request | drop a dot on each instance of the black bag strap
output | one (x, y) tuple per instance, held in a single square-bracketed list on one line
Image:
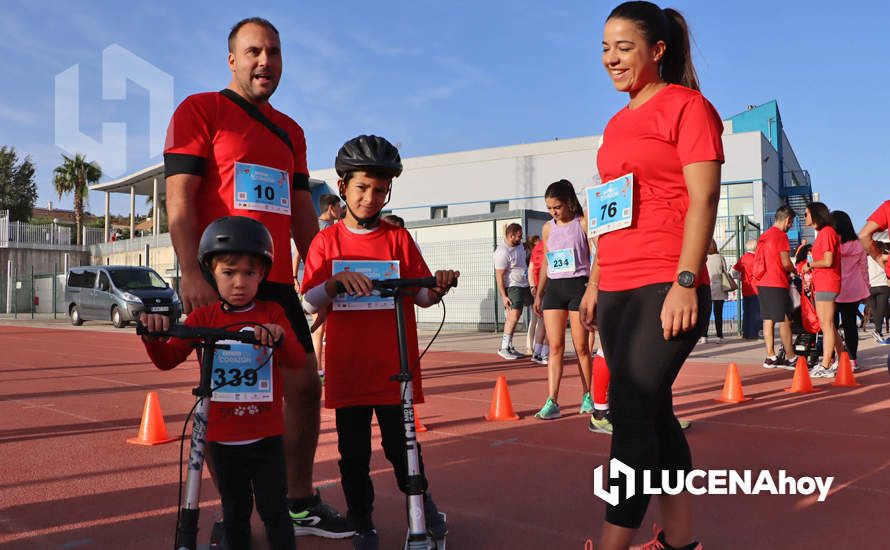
[(257, 115)]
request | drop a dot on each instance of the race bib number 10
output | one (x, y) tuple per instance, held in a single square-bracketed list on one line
[(261, 188), (610, 205)]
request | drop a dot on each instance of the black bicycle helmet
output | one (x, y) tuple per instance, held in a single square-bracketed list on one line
[(368, 152), (235, 234)]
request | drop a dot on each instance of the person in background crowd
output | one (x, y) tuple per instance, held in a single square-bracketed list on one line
[(771, 267), (716, 268), (511, 275), (826, 268), (537, 333), (751, 321), (879, 290), (394, 220), (854, 282)]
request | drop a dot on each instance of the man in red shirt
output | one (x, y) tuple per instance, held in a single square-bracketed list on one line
[(772, 264), (878, 221), (751, 321), (232, 153)]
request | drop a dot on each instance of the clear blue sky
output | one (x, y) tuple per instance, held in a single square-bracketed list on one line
[(449, 76)]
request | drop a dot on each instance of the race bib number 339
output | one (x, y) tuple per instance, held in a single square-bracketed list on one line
[(610, 205), (241, 373), (261, 188)]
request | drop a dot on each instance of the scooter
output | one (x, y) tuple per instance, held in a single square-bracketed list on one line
[(187, 520), (417, 537)]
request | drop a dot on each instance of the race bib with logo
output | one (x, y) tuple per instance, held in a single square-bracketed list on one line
[(561, 261), (241, 373), (375, 270), (261, 188), (610, 205)]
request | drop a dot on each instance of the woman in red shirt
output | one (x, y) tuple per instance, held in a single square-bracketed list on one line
[(826, 267), (651, 314)]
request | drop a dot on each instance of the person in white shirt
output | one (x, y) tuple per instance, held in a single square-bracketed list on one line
[(512, 281)]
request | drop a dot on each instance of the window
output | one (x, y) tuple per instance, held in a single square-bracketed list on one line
[(498, 206), (438, 212), (104, 283), (82, 279)]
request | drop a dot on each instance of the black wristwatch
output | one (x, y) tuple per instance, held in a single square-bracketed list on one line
[(686, 279)]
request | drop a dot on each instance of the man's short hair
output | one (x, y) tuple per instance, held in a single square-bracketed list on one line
[(394, 220), (326, 201), (783, 213), (512, 228), (256, 21)]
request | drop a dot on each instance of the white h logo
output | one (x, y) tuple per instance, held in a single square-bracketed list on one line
[(616, 469)]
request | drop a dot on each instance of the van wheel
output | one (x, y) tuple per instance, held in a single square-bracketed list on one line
[(117, 319), (75, 316)]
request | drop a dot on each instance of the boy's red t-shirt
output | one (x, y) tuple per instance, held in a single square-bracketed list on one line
[(774, 241), (881, 216), (361, 349), (673, 129), (827, 279), (238, 421), (212, 128)]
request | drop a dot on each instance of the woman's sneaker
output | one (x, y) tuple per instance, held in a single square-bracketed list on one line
[(658, 543), (600, 425), (539, 359), (549, 411), (586, 404), (773, 362)]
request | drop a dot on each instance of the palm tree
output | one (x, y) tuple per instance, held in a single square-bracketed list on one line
[(75, 175)]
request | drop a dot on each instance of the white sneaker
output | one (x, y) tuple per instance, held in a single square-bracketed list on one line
[(539, 359), (507, 354), (818, 372), (703, 340), (515, 352)]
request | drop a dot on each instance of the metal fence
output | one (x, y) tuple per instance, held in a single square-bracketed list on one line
[(46, 236), (29, 293)]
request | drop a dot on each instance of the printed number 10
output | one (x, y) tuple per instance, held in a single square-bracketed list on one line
[(267, 191), (611, 209)]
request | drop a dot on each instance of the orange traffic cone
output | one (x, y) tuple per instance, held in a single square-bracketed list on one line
[(418, 425), (845, 378), (152, 431), (801, 382), (501, 406), (732, 387)]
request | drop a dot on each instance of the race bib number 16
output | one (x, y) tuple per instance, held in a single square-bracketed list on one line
[(261, 188), (610, 205)]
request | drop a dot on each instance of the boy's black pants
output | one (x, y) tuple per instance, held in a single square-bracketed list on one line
[(354, 444), (247, 471)]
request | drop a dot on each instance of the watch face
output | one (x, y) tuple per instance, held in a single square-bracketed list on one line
[(686, 278)]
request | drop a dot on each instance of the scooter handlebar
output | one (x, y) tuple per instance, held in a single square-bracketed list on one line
[(201, 333), (396, 284)]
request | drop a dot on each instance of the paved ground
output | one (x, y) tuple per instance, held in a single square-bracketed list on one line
[(70, 396)]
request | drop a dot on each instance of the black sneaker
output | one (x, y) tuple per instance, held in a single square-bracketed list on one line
[(773, 362), (435, 520), (320, 520), (217, 536), (366, 540)]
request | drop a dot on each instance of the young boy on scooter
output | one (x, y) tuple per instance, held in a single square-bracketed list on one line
[(246, 422), (361, 353)]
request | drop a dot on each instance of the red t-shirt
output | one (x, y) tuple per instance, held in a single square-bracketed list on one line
[(773, 241), (361, 348), (881, 216), (745, 266), (676, 127), (208, 134), (537, 259), (827, 279), (231, 421)]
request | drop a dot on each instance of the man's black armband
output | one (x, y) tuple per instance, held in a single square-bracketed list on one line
[(178, 163), (301, 182)]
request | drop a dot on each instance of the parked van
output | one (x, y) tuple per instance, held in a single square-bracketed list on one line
[(118, 293)]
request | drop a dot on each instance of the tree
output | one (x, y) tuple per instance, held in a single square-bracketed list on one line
[(18, 189), (75, 175)]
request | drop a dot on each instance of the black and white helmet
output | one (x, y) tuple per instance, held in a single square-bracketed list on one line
[(368, 153), (235, 234)]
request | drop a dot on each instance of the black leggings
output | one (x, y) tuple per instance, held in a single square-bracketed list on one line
[(879, 307), (646, 434), (354, 444), (247, 471), (718, 317), (847, 313)]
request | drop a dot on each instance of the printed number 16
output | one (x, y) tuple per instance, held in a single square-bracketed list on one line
[(611, 209)]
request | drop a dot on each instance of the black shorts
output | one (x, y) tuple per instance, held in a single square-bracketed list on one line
[(564, 294), (775, 303), (520, 296), (286, 296)]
